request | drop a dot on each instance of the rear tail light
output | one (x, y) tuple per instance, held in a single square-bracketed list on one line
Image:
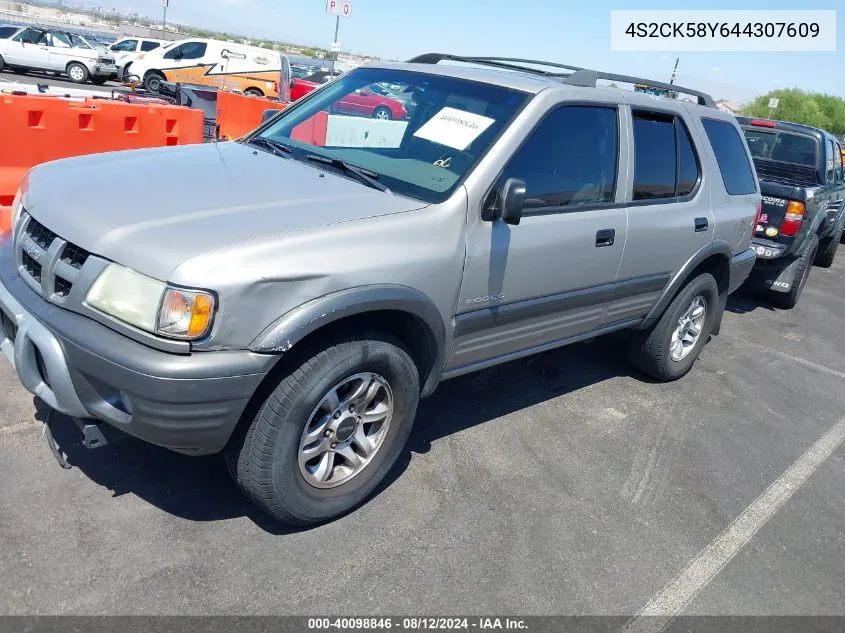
[(763, 123), (757, 219), (792, 220), (276, 86)]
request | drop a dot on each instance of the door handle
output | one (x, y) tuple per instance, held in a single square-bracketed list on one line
[(605, 237), (700, 224)]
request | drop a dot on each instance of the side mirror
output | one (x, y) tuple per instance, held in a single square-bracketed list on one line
[(268, 114), (512, 201)]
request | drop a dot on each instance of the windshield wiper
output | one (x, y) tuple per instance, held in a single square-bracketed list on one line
[(364, 176), (275, 147)]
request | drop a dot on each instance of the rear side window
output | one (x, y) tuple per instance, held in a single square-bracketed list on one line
[(569, 159), (665, 162), (837, 161), (830, 163), (149, 46), (731, 157), (7, 31), (126, 46)]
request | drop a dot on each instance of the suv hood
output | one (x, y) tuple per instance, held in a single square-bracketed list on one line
[(172, 204)]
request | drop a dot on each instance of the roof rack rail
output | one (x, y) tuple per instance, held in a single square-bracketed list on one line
[(577, 77)]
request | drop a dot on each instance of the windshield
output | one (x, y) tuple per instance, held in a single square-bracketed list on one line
[(424, 153), (785, 147)]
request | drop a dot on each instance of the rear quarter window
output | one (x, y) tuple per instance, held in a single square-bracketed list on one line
[(7, 31), (146, 47), (731, 157)]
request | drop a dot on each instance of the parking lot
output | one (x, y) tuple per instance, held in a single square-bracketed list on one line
[(560, 484)]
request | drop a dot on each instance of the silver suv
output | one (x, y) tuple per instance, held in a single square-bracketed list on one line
[(289, 297)]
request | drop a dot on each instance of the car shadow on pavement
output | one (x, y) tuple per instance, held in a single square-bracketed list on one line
[(200, 489), (744, 301)]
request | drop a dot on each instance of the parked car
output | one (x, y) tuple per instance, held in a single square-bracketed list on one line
[(7, 31), (128, 49), (301, 87), (293, 309), (803, 186), (371, 102), (81, 59), (248, 69)]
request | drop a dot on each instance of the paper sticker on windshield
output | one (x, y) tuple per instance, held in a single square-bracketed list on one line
[(454, 128)]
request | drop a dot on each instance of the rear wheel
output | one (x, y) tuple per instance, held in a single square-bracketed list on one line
[(77, 73), (253, 92), (789, 299), (828, 248), (667, 350), (330, 431)]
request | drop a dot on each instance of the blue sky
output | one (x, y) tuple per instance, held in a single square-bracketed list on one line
[(554, 30)]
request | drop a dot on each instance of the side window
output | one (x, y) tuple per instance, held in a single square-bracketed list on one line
[(569, 159), (28, 35), (188, 50), (61, 40), (126, 46), (830, 161), (655, 156), (837, 161), (736, 171), (688, 165), (146, 47)]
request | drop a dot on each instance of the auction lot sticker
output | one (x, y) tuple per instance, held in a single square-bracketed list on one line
[(454, 128), (722, 30)]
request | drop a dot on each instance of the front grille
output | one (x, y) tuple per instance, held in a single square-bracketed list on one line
[(56, 282), (63, 286), (32, 267), (39, 233), (75, 256)]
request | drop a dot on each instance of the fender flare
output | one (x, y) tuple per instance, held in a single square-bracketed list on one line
[(293, 326), (714, 247)]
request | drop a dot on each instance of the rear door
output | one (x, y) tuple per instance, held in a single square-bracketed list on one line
[(24, 49), (669, 216)]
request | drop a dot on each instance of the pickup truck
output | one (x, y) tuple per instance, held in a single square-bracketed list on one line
[(803, 188)]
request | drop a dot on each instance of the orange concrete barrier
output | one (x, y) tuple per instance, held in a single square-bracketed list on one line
[(35, 129), (238, 115), (313, 130)]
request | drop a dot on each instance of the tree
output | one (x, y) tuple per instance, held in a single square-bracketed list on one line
[(811, 108)]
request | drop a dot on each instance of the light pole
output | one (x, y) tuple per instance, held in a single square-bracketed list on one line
[(164, 18), (336, 29)]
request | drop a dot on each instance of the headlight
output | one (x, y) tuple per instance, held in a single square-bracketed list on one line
[(151, 305)]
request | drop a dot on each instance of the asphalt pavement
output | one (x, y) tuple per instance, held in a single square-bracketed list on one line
[(561, 484)]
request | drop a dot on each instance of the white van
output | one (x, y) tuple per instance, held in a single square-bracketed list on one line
[(248, 69)]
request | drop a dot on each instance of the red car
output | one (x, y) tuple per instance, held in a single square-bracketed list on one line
[(364, 101)]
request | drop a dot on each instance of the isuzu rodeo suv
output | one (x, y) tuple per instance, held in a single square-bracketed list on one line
[(289, 297)]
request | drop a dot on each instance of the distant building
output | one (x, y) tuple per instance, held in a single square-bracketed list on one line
[(728, 106)]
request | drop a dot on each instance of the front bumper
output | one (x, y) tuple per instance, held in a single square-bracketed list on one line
[(104, 70), (188, 403)]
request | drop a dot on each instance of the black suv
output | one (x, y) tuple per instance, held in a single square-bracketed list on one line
[(803, 187)]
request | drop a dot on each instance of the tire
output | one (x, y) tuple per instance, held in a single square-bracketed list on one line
[(2, 63), (152, 82), (651, 351), (828, 248), (382, 113), (99, 81), (789, 300), (253, 92), (264, 457), (77, 72)]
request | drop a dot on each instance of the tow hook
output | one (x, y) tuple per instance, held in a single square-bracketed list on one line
[(92, 437)]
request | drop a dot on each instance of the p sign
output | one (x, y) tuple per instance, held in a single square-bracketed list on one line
[(340, 8)]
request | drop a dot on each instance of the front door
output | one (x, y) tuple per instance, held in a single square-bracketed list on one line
[(547, 278)]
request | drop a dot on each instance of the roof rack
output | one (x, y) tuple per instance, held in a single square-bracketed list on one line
[(577, 77)]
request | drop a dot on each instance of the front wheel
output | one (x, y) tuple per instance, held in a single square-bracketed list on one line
[(77, 73), (152, 82), (667, 350), (382, 114), (99, 81), (330, 431)]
